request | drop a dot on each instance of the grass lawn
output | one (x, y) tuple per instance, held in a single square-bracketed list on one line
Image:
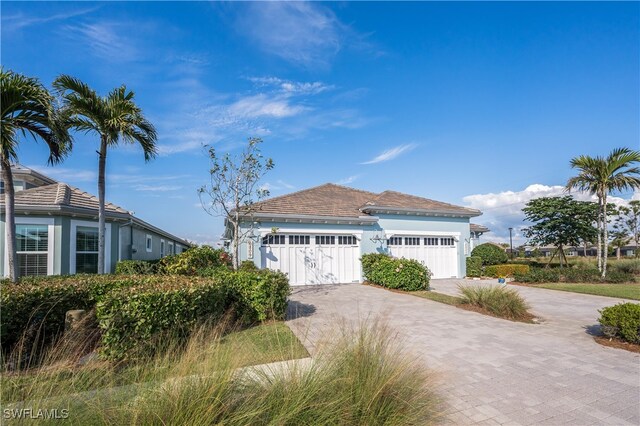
[(438, 297), (624, 291), (262, 344)]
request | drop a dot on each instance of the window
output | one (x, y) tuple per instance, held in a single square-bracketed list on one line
[(86, 250), (161, 248), (430, 241), (299, 239), (347, 240), (149, 244), (325, 239), (394, 241), (448, 241), (273, 239), (32, 245), (171, 249), (411, 241)]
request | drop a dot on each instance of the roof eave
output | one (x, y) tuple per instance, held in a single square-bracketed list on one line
[(424, 212)]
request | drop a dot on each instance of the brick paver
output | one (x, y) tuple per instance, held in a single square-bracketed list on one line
[(493, 371)]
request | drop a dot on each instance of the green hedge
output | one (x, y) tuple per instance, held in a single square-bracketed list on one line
[(36, 307), (490, 253), (572, 275), (506, 270), (136, 267), (390, 272), (189, 262), (622, 321), (474, 266)]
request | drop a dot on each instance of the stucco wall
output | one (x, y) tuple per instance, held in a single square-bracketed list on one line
[(140, 241)]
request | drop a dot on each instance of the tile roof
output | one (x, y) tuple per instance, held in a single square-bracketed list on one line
[(336, 200), (478, 228), (61, 195)]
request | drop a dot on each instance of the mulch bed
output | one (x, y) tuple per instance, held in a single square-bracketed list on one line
[(617, 343)]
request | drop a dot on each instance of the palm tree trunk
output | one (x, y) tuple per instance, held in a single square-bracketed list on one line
[(599, 226), (101, 199), (605, 236), (10, 219)]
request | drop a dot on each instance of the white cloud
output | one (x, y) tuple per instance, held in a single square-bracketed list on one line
[(390, 154), (66, 174), (289, 87), (348, 180), (302, 33), (503, 210), (261, 105), (104, 39), (157, 188)]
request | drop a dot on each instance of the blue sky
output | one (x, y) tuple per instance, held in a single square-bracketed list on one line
[(478, 104)]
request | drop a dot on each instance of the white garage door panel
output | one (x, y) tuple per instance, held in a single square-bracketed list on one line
[(442, 260), (313, 263)]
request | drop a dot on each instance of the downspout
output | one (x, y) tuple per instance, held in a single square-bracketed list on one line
[(130, 224)]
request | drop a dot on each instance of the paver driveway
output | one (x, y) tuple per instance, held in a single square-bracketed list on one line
[(494, 371)]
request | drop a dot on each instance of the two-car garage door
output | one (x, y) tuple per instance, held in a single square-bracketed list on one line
[(439, 254), (313, 259)]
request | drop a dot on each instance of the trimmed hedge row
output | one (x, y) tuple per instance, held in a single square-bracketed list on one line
[(131, 309), (621, 321), (571, 275), (506, 270), (396, 273), (474, 266), (136, 267)]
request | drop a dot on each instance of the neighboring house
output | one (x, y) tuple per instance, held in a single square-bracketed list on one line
[(57, 230), (318, 235), (476, 232)]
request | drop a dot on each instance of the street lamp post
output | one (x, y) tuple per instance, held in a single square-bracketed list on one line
[(511, 241)]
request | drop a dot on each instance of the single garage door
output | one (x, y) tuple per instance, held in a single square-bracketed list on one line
[(313, 259), (439, 254)]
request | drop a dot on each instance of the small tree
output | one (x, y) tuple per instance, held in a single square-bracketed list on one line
[(233, 188), (560, 222)]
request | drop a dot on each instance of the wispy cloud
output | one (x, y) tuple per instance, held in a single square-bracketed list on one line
[(20, 21), (348, 180), (392, 153), (157, 188), (261, 105), (292, 87), (66, 174), (104, 39), (302, 33)]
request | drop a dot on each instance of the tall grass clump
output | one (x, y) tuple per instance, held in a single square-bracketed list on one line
[(497, 300), (363, 377)]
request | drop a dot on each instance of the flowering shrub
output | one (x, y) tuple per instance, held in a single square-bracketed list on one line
[(390, 272)]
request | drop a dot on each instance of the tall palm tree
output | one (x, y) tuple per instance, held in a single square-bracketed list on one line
[(601, 175), (27, 109), (114, 118)]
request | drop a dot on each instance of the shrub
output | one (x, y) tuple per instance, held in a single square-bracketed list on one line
[(622, 321), (507, 270), (500, 301), (490, 253), (132, 319), (192, 260), (248, 265), (571, 275), (390, 272), (136, 267), (33, 311), (628, 266), (474, 266)]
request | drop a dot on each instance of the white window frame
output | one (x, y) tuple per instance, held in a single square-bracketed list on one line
[(50, 244), (162, 247), (148, 243), (72, 243), (172, 249)]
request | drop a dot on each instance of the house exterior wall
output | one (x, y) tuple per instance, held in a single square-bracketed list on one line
[(457, 227), (140, 244)]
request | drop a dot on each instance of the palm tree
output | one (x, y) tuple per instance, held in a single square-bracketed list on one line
[(601, 175), (113, 118), (27, 109)]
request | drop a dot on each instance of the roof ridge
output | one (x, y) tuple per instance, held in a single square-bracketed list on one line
[(63, 194)]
